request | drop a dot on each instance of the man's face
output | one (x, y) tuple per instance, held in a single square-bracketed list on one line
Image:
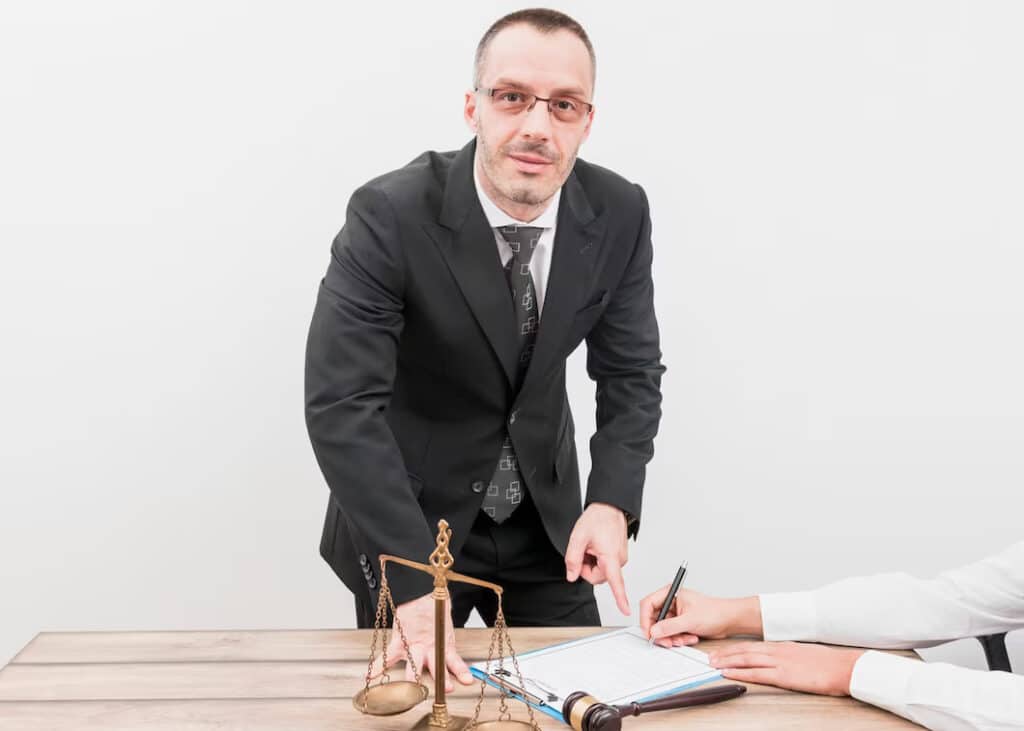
[(526, 156)]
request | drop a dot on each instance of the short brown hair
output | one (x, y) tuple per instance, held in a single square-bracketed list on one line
[(541, 19)]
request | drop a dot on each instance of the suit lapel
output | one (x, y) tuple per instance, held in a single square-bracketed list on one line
[(577, 243), (467, 243)]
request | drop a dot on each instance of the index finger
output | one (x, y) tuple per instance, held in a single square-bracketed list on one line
[(614, 573)]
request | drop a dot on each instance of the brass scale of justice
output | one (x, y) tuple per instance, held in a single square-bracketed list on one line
[(388, 697)]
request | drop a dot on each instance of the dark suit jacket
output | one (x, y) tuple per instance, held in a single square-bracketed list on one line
[(411, 361)]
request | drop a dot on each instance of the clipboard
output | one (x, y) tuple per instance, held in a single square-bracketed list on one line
[(616, 667)]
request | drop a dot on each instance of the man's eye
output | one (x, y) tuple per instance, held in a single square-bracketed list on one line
[(565, 105), (513, 97)]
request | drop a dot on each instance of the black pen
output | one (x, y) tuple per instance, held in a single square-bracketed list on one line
[(670, 597)]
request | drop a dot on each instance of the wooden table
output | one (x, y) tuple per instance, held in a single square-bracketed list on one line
[(298, 680)]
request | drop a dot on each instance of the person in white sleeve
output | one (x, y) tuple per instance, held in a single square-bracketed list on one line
[(887, 611)]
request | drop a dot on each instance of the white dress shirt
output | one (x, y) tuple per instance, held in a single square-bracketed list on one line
[(540, 263), (895, 611)]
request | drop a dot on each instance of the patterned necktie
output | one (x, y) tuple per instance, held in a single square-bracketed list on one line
[(506, 489)]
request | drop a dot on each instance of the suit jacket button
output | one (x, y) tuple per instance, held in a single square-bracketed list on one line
[(363, 560), (372, 583), (477, 486)]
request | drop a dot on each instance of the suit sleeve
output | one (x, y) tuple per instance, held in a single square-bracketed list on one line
[(351, 357), (624, 360)]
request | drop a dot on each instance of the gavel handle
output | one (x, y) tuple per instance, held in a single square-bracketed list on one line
[(701, 697)]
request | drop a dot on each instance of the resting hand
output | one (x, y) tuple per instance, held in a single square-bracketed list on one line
[(417, 618), (791, 665)]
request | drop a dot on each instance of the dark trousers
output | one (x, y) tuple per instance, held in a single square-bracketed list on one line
[(518, 556)]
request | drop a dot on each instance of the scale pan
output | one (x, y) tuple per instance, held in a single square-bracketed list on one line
[(387, 699), (504, 726)]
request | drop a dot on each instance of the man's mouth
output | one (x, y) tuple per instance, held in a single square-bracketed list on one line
[(530, 163)]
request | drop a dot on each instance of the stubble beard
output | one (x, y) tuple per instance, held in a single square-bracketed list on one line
[(521, 194)]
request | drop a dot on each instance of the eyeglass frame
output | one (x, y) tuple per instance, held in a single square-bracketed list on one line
[(529, 108)]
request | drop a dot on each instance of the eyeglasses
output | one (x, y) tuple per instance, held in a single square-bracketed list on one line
[(513, 101)]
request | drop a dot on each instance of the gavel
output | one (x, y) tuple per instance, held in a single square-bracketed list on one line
[(585, 713)]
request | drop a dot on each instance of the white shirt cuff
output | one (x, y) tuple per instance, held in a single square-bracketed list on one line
[(883, 680), (789, 616)]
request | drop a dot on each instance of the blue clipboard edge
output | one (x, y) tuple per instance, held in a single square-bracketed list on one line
[(557, 713)]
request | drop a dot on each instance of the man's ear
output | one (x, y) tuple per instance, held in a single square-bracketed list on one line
[(469, 110)]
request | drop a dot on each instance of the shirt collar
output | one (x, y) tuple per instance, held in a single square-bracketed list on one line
[(497, 217)]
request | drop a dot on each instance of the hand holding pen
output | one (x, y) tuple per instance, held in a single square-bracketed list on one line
[(672, 619), (666, 604)]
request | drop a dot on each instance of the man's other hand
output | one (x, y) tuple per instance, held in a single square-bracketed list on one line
[(417, 618), (598, 550)]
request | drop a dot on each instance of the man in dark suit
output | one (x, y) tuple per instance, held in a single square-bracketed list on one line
[(435, 369)]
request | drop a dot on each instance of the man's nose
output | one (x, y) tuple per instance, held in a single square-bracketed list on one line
[(537, 121)]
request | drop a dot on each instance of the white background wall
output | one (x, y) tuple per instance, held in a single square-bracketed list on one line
[(836, 193)]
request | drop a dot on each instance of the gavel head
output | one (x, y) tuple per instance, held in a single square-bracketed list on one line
[(585, 713)]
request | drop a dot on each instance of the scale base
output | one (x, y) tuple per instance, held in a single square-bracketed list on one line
[(455, 723)]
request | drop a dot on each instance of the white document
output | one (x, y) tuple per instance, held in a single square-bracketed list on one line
[(613, 667)]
